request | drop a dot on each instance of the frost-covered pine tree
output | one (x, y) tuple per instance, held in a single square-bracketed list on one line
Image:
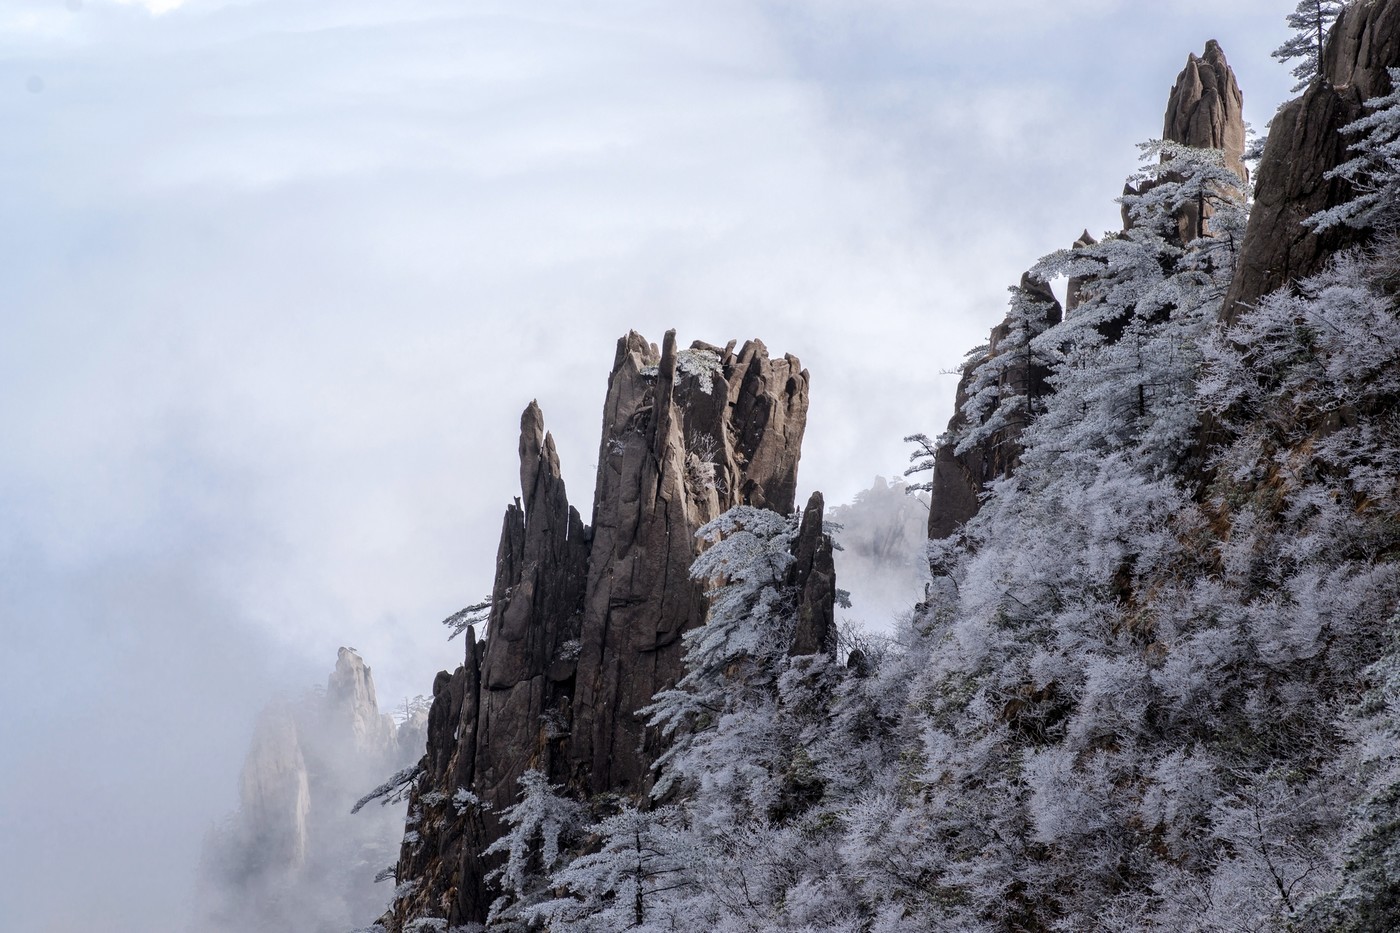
[(1373, 170), (768, 752), (1007, 389), (1310, 21), (1120, 714), (543, 827), (641, 869), (1128, 357)]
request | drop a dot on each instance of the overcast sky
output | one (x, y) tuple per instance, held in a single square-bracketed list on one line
[(278, 276)]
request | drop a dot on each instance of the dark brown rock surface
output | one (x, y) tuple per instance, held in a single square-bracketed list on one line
[(813, 576), (586, 622), (679, 448), (1305, 142), (959, 478)]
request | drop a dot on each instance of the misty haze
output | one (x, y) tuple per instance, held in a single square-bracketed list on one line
[(748, 466)]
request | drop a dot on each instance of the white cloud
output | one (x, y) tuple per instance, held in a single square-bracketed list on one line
[(279, 277), (156, 7)]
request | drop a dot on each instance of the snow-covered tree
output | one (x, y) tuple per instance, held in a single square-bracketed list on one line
[(768, 750), (1374, 168), (732, 660), (1128, 357), (1006, 391), (642, 864), (1128, 690), (543, 826), (1310, 21)]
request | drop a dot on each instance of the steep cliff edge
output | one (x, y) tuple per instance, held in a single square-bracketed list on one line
[(1304, 144), (1110, 633), (959, 477), (1205, 111), (585, 622), (1124, 703)]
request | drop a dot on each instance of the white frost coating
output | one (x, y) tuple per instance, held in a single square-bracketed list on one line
[(702, 365)]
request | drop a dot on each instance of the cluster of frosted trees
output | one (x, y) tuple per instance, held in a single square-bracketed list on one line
[(1154, 684)]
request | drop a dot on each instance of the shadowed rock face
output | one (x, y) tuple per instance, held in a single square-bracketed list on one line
[(813, 576), (681, 445), (959, 478), (586, 622), (1305, 143)]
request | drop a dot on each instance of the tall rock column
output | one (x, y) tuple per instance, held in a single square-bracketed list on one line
[(686, 435), (527, 670), (1205, 110), (585, 623)]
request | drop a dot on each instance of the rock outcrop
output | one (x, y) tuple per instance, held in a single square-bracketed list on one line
[(1074, 291), (1204, 110), (959, 478), (586, 621), (686, 436), (1304, 144), (292, 856), (813, 577)]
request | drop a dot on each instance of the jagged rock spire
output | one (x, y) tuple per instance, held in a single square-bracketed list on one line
[(813, 576), (1206, 109), (687, 434), (586, 622)]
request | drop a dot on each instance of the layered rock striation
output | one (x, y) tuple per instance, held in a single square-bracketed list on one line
[(586, 622)]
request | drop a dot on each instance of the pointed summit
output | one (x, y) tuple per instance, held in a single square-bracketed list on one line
[(1206, 109)]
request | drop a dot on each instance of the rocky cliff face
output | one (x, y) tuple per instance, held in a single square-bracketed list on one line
[(586, 621), (1304, 144), (1204, 110), (959, 478), (292, 856)]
